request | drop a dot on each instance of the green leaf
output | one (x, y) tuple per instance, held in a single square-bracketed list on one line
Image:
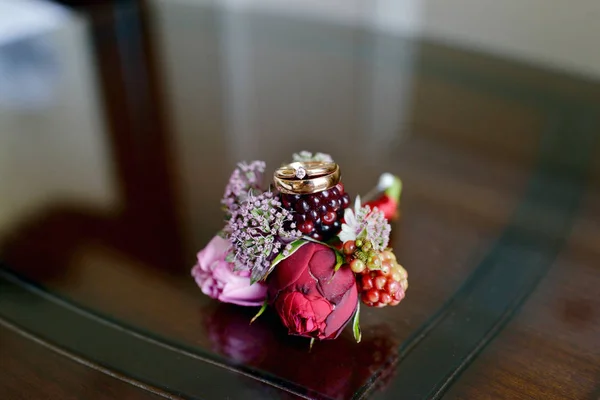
[(331, 243), (312, 341), (339, 261), (309, 239), (296, 244), (395, 190), (260, 312), (356, 324)]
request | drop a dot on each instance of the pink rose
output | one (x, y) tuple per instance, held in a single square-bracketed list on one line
[(215, 276)]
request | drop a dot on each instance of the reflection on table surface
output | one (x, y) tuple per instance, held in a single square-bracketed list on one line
[(112, 168)]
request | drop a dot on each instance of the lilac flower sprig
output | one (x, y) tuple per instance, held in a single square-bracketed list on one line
[(246, 179), (260, 229), (366, 223)]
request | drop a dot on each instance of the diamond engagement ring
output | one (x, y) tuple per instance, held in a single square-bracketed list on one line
[(302, 169), (306, 177)]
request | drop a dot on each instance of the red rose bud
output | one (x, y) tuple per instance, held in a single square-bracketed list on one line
[(387, 205), (389, 189), (311, 298)]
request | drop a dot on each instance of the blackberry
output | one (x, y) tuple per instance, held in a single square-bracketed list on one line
[(318, 215)]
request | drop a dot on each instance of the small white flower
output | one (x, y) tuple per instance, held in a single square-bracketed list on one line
[(308, 156), (352, 227), (362, 222)]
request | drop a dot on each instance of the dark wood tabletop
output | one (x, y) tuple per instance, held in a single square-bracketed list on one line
[(113, 170)]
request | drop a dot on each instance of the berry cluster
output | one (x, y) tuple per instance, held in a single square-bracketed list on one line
[(318, 215), (381, 280)]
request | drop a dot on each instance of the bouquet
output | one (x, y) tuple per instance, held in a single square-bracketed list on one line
[(300, 247)]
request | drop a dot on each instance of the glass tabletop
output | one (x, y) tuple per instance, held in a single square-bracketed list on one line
[(121, 122)]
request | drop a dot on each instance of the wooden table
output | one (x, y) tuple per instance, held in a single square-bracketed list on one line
[(114, 183)]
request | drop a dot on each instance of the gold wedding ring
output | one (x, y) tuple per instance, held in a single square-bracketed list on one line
[(310, 169), (306, 177)]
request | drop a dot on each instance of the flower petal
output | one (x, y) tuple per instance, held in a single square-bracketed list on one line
[(346, 234), (349, 218), (244, 294), (342, 314), (357, 203), (214, 250)]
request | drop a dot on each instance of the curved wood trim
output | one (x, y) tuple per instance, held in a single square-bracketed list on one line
[(434, 356), (127, 352), (85, 362)]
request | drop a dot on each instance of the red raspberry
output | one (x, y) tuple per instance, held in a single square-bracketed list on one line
[(385, 286)]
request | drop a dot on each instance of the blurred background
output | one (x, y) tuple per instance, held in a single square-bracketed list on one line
[(557, 36), (241, 72)]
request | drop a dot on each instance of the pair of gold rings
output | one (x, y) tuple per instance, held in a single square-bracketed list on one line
[(307, 177)]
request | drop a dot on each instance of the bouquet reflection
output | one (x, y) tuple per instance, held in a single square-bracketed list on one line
[(336, 369)]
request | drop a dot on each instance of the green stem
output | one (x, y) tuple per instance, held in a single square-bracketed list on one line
[(260, 312)]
